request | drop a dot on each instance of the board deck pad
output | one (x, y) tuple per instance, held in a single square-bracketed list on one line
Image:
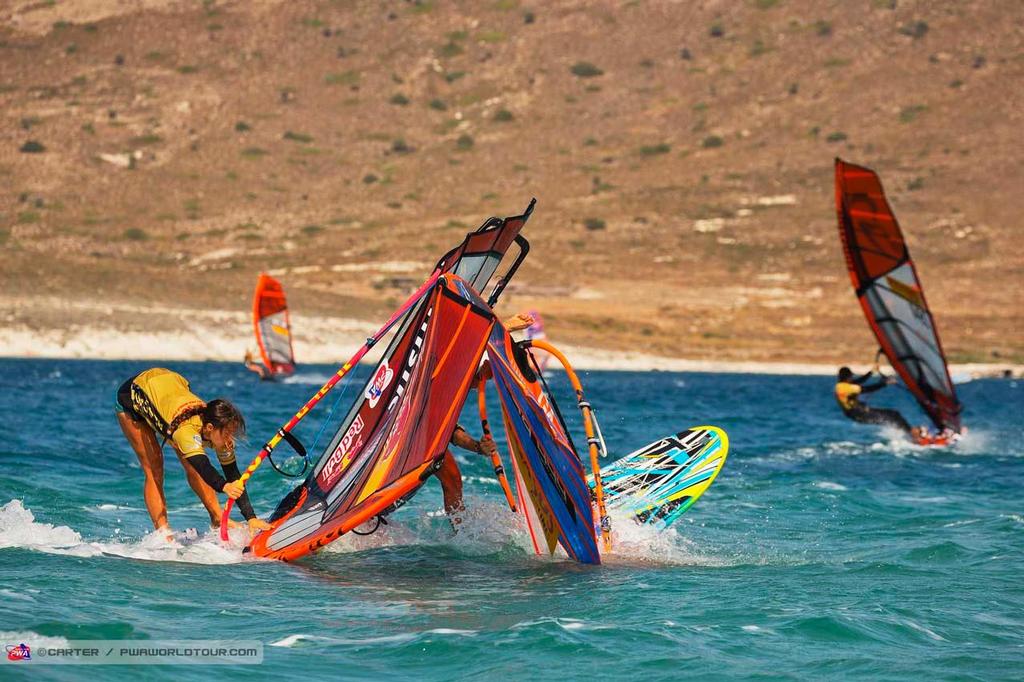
[(660, 481)]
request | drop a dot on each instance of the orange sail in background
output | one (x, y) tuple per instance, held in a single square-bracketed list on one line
[(273, 326), (889, 290)]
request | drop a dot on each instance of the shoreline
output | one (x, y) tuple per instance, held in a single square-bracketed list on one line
[(326, 340)]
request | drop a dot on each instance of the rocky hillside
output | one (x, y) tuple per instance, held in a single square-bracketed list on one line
[(162, 153)]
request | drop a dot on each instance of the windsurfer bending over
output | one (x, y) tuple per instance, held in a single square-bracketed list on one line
[(849, 387), (258, 367), (158, 401), (449, 474)]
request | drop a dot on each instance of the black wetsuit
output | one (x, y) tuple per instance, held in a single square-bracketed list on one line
[(846, 394)]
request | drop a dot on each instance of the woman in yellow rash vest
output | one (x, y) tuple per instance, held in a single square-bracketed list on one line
[(159, 402)]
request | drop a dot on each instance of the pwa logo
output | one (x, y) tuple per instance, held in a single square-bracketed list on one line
[(381, 380), (19, 652)]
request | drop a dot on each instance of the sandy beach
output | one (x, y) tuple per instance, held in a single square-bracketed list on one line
[(139, 332)]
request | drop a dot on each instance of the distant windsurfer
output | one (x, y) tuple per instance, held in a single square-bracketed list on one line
[(158, 401), (261, 370), (850, 387)]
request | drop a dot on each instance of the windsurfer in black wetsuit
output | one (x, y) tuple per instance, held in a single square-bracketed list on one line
[(849, 387)]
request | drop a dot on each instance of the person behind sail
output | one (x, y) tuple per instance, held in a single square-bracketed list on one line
[(158, 401), (258, 367), (849, 388), (449, 474), (451, 477)]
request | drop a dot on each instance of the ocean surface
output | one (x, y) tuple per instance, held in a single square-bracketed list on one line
[(825, 550)]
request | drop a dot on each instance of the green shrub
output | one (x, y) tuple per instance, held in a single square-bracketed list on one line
[(712, 141), (343, 78), (438, 105), (242, 127), (915, 29), (399, 99), (450, 49), (297, 137), (144, 140), (503, 116), (655, 149), (464, 143), (837, 136), (593, 224), (585, 70), (135, 234), (908, 114), (32, 147)]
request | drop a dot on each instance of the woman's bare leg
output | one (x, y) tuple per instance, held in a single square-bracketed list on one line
[(143, 441)]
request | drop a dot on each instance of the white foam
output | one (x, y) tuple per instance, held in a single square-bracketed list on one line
[(16, 595), (307, 378), (829, 485), (32, 639), (18, 528), (292, 640), (633, 542)]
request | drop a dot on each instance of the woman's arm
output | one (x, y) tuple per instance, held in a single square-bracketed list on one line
[(243, 503), (201, 463)]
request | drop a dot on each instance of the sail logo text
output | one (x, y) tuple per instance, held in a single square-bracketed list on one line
[(338, 457), (414, 355)]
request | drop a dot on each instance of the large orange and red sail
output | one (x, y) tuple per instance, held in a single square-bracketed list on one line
[(890, 292), (396, 433)]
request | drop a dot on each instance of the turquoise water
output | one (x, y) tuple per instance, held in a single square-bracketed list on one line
[(826, 549)]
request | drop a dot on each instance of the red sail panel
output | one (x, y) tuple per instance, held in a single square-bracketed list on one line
[(273, 326), (890, 292), (396, 432)]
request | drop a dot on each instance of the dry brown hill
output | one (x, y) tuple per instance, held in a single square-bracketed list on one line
[(681, 153)]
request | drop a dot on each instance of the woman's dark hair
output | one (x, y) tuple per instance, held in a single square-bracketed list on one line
[(221, 413), (845, 373)]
